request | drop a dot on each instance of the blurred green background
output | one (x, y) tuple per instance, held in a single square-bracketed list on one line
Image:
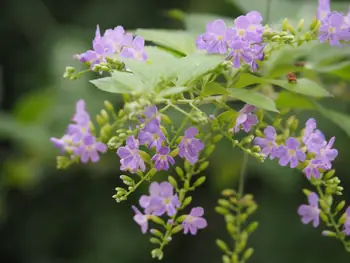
[(50, 216)]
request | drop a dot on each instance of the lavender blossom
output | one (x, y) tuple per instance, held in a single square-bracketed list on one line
[(151, 135), (313, 139), (240, 51), (136, 50), (323, 9), (78, 141), (89, 149), (248, 28), (194, 221), (333, 29), (141, 219), (130, 158), (347, 222), (327, 154), (214, 40), (190, 147), (310, 212), (267, 144), (162, 159), (290, 153), (246, 119), (313, 168), (161, 200)]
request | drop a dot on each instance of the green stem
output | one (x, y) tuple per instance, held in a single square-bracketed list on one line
[(242, 175)]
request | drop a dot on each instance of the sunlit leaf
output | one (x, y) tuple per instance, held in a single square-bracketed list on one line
[(214, 88), (341, 69), (340, 119), (172, 91), (119, 82), (227, 116), (194, 66), (303, 86), (254, 98), (181, 41), (287, 99)]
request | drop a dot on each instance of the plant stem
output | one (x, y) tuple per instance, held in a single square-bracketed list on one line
[(242, 175)]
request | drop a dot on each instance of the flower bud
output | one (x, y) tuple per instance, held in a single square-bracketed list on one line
[(285, 24), (327, 233), (172, 181), (156, 232), (187, 201), (176, 229), (300, 25), (199, 181), (108, 106), (104, 115), (247, 254), (222, 245)]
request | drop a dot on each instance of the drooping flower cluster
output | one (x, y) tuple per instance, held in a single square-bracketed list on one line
[(111, 42), (293, 152), (78, 140), (152, 136), (242, 41), (316, 143), (246, 119), (162, 201), (335, 26)]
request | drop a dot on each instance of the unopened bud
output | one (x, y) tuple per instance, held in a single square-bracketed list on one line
[(300, 25)]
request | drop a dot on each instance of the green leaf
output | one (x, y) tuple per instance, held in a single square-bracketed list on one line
[(246, 79), (340, 119), (341, 69), (171, 91), (178, 40), (303, 86), (194, 66), (287, 99), (228, 116), (214, 88), (278, 8), (254, 98), (119, 82)]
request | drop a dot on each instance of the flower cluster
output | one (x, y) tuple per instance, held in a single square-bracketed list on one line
[(335, 27), (242, 41), (111, 42), (293, 152), (152, 136), (78, 140), (162, 201)]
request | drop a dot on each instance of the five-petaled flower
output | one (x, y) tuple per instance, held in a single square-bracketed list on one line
[(290, 153), (162, 159), (190, 146), (141, 219), (347, 222), (267, 144), (130, 158), (311, 211), (246, 119), (194, 221)]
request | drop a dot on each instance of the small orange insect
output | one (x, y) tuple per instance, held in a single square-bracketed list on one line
[(291, 77)]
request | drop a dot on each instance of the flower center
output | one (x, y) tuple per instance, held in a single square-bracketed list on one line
[(241, 32), (166, 201), (291, 152), (331, 30)]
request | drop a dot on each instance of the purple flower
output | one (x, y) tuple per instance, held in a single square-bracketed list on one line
[(162, 159), (214, 40), (347, 222), (89, 149), (190, 147), (310, 212), (136, 50), (248, 28), (141, 219), (152, 135), (130, 158), (101, 49), (267, 144), (327, 154), (290, 153), (313, 139), (323, 9), (64, 144), (240, 51), (161, 200), (194, 221), (81, 116), (333, 29), (313, 168), (246, 120), (116, 37)]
